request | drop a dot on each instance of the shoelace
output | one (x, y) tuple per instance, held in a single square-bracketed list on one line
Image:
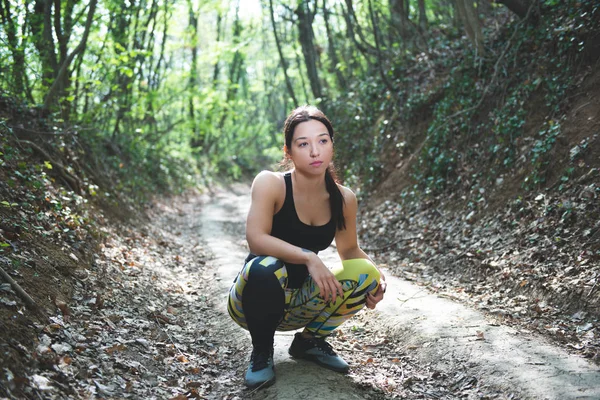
[(260, 360), (324, 346)]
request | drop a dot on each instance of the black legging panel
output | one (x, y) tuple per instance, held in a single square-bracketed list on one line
[(264, 303)]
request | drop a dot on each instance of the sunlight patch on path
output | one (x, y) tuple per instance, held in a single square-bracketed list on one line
[(452, 333)]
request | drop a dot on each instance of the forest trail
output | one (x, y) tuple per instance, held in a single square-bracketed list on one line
[(462, 345)]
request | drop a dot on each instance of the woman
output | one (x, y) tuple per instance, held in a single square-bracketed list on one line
[(284, 285)]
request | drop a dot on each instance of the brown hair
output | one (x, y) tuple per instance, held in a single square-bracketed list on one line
[(304, 114)]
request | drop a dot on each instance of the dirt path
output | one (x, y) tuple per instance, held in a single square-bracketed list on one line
[(149, 322), (447, 349)]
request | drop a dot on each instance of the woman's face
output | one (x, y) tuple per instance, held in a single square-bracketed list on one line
[(311, 149)]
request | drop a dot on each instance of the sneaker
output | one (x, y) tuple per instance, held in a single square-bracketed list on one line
[(319, 351), (260, 372)]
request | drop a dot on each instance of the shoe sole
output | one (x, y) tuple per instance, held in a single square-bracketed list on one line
[(314, 359), (265, 384)]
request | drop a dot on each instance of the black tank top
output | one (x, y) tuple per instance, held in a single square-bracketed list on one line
[(288, 227)]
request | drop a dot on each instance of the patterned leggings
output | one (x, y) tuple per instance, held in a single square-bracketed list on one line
[(260, 301)]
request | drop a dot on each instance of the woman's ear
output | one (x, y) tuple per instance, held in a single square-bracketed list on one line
[(286, 152)]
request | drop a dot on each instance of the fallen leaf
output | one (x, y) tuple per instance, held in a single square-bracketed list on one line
[(523, 283), (115, 348), (182, 359), (64, 308)]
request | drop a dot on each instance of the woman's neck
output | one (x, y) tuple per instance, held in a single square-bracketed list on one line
[(308, 183)]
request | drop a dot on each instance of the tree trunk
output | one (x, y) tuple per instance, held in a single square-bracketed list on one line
[(193, 80), (400, 19), (154, 83), (282, 61), (41, 29), (468, 15), (18, 54), (216, 69), (120, 17), (146, 45), (422, 17), (306, 38), (235, 68), (302, 79), (333, 58), (521, 8), (237, 64), (380, 60), (143, 44)]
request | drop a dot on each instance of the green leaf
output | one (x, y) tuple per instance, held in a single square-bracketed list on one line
[(47, 164)]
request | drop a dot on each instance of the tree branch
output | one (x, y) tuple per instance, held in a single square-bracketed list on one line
[(22, 293), (57, 84)]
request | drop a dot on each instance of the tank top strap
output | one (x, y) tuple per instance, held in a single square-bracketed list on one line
[(289, 193)]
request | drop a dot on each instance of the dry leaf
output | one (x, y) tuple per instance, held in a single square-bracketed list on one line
[(64, 308), (116, 347), (182, 359), (523, 283)]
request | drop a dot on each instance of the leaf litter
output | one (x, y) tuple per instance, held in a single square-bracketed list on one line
[(140, 324), (533, 264)]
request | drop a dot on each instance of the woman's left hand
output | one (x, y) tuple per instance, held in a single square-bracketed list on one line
[(373, 299)]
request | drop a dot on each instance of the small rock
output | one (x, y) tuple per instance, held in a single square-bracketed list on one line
[(61, 348), (41, 383), (470, 218)]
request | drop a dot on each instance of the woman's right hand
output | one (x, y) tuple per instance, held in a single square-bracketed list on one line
[(329, 286)]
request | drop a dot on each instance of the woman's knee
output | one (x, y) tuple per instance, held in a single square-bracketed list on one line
[(261, 267), (358, 269)]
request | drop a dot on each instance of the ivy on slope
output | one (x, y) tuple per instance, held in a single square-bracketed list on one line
[(478, 110), (466, 133)]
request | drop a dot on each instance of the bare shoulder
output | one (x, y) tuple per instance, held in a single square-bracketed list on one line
[(349, 196), (268, 184), (265, 178)]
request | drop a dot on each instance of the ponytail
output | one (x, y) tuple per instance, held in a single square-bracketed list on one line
[(336, 199)]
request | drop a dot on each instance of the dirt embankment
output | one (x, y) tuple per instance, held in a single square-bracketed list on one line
[(528, 256)]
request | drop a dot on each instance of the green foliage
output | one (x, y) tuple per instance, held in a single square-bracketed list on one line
[(456, 137), (360, 133), (539, 153), (436, 167), (168, 91)]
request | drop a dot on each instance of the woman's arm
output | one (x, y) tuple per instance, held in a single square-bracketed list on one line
[(347, 243), (266, 188)]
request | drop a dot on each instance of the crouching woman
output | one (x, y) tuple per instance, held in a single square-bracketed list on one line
[(284, 285)]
